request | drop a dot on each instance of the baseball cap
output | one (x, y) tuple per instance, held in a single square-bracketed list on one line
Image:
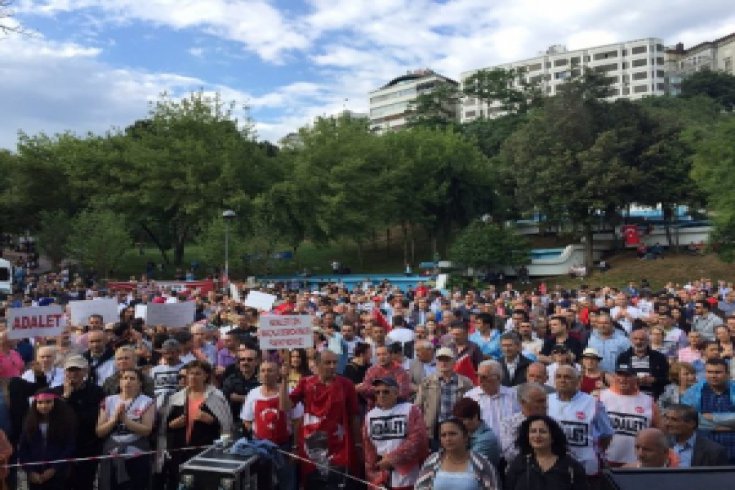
[(387, 381), (625, 369), (76, 362), (591, 352), (445, 352), (170, 344)]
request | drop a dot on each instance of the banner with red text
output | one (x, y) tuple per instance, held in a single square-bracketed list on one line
[(35, 321), (285, 332)]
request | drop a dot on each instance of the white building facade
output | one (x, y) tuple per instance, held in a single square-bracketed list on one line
[(635, 68), (717, 55), (390, 104)]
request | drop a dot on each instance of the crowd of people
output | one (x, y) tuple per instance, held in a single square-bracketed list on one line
[(481, 389)]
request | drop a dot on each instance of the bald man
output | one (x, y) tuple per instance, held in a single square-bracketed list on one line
[(652, 450)]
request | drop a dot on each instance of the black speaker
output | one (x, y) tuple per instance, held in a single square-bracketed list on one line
[(714, 477)]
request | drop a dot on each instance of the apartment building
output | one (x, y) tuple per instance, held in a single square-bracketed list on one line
[(710, 55), (635, 68), (389, 105)]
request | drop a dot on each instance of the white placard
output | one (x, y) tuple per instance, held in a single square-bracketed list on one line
[(107, 307), (234, 292), (172, 315), (441, 281), (35, 321), (140, 310), (261, 301), (285, 332)]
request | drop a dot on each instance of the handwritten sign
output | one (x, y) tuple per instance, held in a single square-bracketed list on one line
[(80, 310), (234, 292), (285, 332), (261, 301), (172, 315), (37, 321)]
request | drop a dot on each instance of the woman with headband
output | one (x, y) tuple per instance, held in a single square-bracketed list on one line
[(125, 422), (48, 435)]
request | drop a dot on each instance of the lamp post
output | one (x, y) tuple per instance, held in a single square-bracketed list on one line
[(228, 216)]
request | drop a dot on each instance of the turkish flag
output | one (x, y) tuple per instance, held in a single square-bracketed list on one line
[(284, 308), (465, 367), (380, 318), (271, 424)]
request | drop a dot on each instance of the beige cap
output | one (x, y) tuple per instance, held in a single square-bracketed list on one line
[(445, 352), (76, 361)]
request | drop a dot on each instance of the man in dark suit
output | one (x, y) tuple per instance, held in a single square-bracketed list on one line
[(514, 363), (681, 422)]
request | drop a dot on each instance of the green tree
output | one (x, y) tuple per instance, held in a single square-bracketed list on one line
[(97, 240), (53, 233), (576, 160), (179, 168), (489, 245), (435, 109), (714, 162), (512, 89), (716, 85)]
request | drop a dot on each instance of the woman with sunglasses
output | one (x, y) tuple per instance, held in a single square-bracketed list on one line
[(125, 422), (49, 434)]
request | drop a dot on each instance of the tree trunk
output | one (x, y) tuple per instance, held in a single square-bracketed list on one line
[(359, 253), (413, 245), (589, 261), (404, 229), (156, 242), (668, 212), (387, 242)]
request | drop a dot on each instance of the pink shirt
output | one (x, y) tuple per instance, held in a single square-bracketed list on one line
[(689, 354)]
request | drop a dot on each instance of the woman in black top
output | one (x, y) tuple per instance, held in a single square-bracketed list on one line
[(359, 364), (543, 462)]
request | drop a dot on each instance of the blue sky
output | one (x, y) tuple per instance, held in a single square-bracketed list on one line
[(89, 65)]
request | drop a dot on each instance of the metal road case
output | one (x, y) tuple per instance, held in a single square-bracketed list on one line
[(215, 469)]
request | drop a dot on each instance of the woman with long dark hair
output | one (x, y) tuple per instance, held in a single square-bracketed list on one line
[(543, 462), (299, 362), (49, 434)]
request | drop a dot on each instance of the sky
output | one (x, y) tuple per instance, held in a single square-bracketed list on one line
[(93, 65)]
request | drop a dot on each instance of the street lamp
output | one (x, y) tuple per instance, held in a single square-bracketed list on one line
[(228, 216)]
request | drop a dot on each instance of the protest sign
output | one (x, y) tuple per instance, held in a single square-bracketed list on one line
[(172, 315), (80, 310), (441, 281), (285, 332), (140, 310), (35, 321), (234, 292), (261, 301)]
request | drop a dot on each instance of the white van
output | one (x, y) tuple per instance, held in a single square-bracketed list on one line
[(6, 277)]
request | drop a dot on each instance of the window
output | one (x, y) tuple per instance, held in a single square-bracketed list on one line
[(561, 75), (660, 74), (659, 47), (548, 64), (4, 274), (660, 87), (626, 91), (727, 64), (536, 79), (642, 62), (561, 62), (641, 75), (638, 50), (576, 60), (576, 72), (624, 52), (586, 58), (638, 89), (660, 60), (605, 55), (606, 68), (469, 114), (535, 67), (625, 65)]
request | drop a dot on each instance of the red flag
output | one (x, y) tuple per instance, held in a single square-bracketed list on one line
[(271, 422), (380, 318), (465, 367), (284, 308)]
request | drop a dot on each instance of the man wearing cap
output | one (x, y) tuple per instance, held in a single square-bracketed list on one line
[(497, 402), (84, 398), (608, 341), (166, 375), (583, 418), (630, 411), (395, 438), (384, 367), (439, 391), (650, 366)]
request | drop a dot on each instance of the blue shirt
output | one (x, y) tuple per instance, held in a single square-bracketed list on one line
[(489, 347), (685, 451), (609, 349), (714, 403)]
